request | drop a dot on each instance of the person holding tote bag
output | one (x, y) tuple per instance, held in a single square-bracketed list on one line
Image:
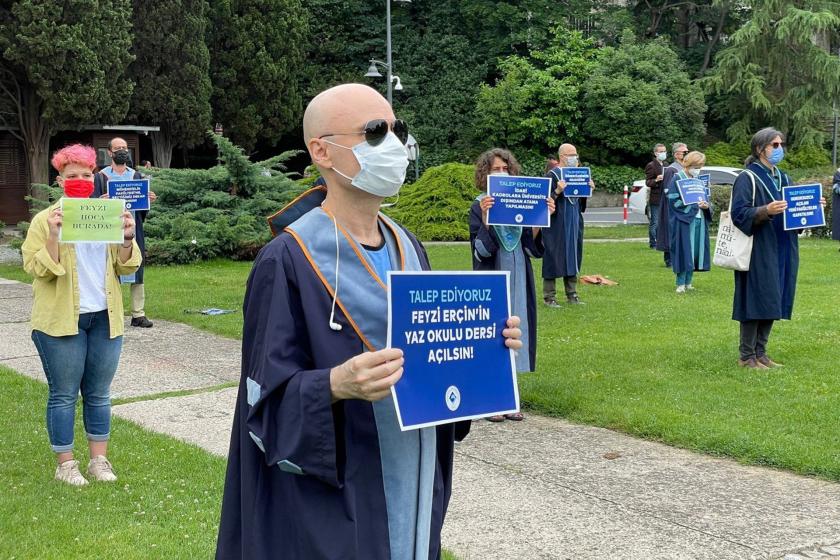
[(765, 292)]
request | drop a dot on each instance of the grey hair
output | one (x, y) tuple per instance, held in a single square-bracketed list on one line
[(761, 140), (676, 146), (658, 146)]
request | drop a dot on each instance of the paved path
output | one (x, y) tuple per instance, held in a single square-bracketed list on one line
[(539, 489)]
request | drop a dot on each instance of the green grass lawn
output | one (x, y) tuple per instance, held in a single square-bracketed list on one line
[(638, 357), (620, 231), (641, 359), (164, 505)]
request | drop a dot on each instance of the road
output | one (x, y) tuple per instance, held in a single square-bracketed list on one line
[(606, 216)]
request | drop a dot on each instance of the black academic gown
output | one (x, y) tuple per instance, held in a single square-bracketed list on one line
[(765, 291), (335, 509), (835, 206), (563, 240), (663, 230), (528, 247)]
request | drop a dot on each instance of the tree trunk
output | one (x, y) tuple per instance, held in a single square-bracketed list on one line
[(162, 145), (707, 58), (36, 139)]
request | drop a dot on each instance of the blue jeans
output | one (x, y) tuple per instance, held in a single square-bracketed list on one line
[(653, 224), (85, 361), (684, 278)]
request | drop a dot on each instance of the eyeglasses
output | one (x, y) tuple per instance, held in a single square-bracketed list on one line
[(683, 152), (376, 130), (777, 145)]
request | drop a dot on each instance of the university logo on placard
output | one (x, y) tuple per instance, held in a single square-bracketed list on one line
[(453, 398)]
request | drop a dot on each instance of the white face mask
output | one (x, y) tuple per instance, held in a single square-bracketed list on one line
[(694, 172), (381, 168), (499, 173), (661, 156), (571, 161)]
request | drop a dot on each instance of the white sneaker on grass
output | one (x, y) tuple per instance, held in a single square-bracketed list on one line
[(68, 472), (689, 287), (681, 289), (100, 469)]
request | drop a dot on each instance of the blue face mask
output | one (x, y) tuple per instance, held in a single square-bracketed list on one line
[(776, 156)]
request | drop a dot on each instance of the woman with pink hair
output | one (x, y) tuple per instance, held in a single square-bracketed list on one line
[(77, 319)]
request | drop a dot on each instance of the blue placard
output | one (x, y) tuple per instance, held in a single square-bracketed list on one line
[(692, 191), (804, 209), (707, 183), (577, 181), (519, 201), (449, 326), (134, 192)]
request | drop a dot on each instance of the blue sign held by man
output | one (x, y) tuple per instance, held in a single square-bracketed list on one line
[(692, 191), (804, 209), (449, 327), (577, 181), (134, 192), (518, 201)]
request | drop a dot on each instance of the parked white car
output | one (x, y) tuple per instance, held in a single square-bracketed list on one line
[(719, 176)]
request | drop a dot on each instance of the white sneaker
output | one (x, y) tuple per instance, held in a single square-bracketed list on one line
[(100, 469), (680, 289), (689, 287), (68, 472)]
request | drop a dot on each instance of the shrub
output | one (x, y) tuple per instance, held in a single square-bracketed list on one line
[(726, 154), (734, 154), (436, 207), (612, 178), (807, 157), (218, 212), (2, 226)]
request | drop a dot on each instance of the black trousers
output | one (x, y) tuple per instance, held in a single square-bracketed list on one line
[(754, 335), (550, 287)]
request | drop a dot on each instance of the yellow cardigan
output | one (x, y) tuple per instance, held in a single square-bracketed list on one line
[(55, 310)]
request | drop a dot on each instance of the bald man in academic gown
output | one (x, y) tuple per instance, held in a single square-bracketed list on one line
[(563, 240), (318, 467)]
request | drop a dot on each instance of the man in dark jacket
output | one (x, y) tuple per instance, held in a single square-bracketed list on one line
[(653, 179), (663, 241), (120, 170)]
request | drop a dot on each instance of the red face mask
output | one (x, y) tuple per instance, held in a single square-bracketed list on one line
[(78, 188)]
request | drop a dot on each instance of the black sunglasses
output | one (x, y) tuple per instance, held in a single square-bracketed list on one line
[(376, 130), (777, 145)]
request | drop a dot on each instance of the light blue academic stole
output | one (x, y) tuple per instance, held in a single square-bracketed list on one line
[(408, 458), (509, 236)]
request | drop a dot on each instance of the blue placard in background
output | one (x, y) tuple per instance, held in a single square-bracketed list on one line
[(577, 181), (707, 182), (134, 192), (804, 208), (449, 326), (519, 201), (692, 191)]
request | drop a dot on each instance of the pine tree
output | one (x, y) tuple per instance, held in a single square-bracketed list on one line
[(256, 56), (171, 73), (775, 72), (62, 64)]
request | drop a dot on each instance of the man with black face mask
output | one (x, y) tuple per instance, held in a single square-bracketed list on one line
[(119, 170)]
